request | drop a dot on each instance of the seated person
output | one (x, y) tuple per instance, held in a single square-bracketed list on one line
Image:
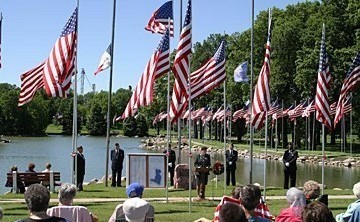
[(344, 217), (232, 212), (47, 169), (20, 185), (250, 197), (296, 201), (30, 169), (316, 212), (355, 216), (66, 209), (37, 199), (312, 193), (134, 190)]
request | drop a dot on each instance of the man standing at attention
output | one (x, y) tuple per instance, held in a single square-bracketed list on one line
[(117, 159), (171, 165), (289, 160), (202, 162), (231, 158), (80, 166)]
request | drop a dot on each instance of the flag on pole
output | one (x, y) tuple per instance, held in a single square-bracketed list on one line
[(31, 81), (1, 18), (209, 75), (104, 61), (159, 20), (351, 81), (309, 109), (261, 100), (322, 106), (156, 67), (60, 65), (240, 73), (181, 68)]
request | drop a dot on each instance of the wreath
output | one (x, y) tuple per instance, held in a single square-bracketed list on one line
[(218, 168)]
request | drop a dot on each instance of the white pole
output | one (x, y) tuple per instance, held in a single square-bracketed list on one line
[(225, 176), (351, 140), (265, 160), (323, 159), (251, 93)]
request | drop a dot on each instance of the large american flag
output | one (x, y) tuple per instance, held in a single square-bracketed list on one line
[(261, 100), (322, 106), (159, 20), (157, 66), (31, 81), (181, 68), (60, 65), (1, 18), (209, 75), (351, 80)]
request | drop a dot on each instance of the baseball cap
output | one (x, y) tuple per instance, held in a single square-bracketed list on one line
[(134, 190), (135, 209)]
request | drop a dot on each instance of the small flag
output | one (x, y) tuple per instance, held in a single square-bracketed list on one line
[(104, 61), (240, 73), (160, 19)]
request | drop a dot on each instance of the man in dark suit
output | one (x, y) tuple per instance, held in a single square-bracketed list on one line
[(231, 158), (171, 165), (289, 160), (80, 167), (117, 159)]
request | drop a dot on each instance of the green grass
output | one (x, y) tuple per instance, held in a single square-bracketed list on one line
[(173, 211)]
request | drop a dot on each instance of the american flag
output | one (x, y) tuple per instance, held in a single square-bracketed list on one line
[(309, 109), (351, 80), (157, 118), (1, 18), (157, 66), (275, 107), (323, 83), (299, 109), (105, 60), (333, 108), (159, 20), (261, 100), (209, 75), (31, 81), (60, 65), (181, 68)]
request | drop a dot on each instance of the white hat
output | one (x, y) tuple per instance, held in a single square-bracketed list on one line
[(135, 209)]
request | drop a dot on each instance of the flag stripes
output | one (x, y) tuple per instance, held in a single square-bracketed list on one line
[(322, 89), (159, 20)]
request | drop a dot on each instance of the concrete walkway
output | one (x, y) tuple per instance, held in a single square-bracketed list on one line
[(160, 199)]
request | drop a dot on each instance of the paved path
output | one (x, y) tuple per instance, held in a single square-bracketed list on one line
[(158, 199)]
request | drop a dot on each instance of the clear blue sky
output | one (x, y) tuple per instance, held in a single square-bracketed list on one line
[(30, 29)]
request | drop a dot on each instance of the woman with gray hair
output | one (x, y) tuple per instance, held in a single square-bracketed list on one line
[(344, 217), (66, 209), (296, 200)]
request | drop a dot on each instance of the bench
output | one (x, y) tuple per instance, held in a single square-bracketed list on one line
[(47, 178)]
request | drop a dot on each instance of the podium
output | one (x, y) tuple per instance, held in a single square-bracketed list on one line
[(203, 169)]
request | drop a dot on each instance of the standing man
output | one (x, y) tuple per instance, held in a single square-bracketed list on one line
[(80, 166), (202, 165), (171, 165), (289, 160), (231, 158), (117, 159)]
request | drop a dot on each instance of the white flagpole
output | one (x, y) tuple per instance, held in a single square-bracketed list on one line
[(323, 159), (225, 175), (109, 96), (179, 119), (74, 132), (251, 93), (265, 160), (189, 104), (168, 125), (351, 141)]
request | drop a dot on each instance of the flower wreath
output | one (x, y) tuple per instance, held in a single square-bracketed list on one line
[(218, 168)]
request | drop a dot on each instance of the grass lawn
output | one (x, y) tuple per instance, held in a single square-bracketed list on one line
[(172, 211)]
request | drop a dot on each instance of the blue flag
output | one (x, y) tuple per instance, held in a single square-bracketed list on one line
[(240, 73)]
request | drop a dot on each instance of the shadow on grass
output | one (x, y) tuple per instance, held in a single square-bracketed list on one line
[(172, 211)]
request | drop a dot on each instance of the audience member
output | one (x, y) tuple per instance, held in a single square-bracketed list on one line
[(235, 195), (312, 192), (20, 185), (317, 211), (1, 213), (37, 199), (66, 209), (130, 209), (250, 196), (296, 201), (344, 217), (355, 216), (31, 168), (47, 169), (232, 212)]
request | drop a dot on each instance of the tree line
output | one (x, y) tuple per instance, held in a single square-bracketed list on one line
[(295, 49)]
